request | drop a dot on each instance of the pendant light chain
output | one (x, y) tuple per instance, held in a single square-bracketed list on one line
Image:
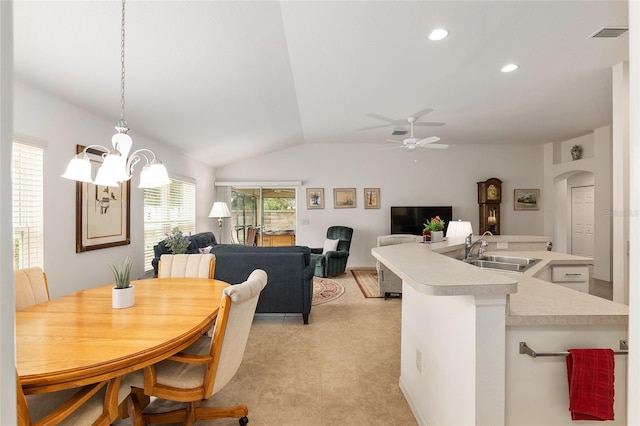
[(122, 124)]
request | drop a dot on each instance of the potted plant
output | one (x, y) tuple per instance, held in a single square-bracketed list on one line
[(123, 293), (434, 229), (177, 241)]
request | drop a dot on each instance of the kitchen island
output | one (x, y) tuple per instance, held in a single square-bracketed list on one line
[(462, 327)]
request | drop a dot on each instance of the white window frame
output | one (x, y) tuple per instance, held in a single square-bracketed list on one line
[(166, 208), (27, 176)]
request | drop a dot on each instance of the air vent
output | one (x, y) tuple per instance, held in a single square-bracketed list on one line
[(399, 132), (609, 32)]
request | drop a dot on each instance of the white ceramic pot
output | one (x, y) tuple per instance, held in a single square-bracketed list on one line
[(123, 297), (437, 236)]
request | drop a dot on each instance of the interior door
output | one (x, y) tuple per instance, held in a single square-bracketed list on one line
[(582, 221)]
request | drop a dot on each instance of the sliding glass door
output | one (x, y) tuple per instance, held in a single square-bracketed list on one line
[(264, 216)]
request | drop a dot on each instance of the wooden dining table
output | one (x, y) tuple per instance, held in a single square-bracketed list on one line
[(79, 338)]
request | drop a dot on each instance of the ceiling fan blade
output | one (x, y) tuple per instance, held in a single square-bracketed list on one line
[(421, 113), (376, 127), (391, 147), (426, 141), (381, 117), (429, 124), (436, 146), (391, 140)]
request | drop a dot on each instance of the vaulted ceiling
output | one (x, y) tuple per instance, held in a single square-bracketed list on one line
[(224, 80)]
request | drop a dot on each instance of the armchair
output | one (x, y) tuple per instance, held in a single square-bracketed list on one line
[(333, 262)]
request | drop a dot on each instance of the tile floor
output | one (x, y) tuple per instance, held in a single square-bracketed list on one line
[(341, 368)]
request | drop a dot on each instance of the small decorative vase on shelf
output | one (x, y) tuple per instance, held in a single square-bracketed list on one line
[(576, 152), (123, 293), (437, 236)]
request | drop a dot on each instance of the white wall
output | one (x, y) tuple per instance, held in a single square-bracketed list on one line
[(62, 126), (421, 177)]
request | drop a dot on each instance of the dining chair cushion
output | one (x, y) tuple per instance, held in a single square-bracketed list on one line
[(31, 287), (185, 265)]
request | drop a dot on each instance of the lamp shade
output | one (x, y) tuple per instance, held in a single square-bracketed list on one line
[(154, 175), (79, 168), (220, 210), (459, 229)]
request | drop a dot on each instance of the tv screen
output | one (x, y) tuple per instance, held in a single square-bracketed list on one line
[(410, 220)]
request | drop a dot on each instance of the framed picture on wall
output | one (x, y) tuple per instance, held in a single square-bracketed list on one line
[(372, 198), (315, 198), (344, 198), (526, 199), (102, 212)]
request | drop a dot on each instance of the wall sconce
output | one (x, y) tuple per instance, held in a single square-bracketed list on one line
[(459, 229)]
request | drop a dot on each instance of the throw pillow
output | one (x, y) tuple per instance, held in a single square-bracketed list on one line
[(205, 250), (329, 245)]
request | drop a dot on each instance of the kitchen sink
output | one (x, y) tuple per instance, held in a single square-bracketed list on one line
[(503, 263)]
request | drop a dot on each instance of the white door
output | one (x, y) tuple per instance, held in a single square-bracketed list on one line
[(582, 221)]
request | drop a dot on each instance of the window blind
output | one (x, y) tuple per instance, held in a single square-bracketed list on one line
[(166, 208), (27, 189)]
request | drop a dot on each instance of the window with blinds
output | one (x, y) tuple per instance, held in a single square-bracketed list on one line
[(27, 189), (166, 208)]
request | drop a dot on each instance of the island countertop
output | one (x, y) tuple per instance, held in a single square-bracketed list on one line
[(531, 302)]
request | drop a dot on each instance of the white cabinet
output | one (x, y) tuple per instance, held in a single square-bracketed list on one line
[(574, 277)]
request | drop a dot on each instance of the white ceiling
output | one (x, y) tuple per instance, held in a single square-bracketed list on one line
[(229, 80)]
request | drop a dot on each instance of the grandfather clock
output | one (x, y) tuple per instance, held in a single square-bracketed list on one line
[(489, 199)]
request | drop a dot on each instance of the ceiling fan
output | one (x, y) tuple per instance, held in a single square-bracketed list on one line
[(412, 143)]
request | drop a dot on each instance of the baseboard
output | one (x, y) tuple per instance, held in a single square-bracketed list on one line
[(412, 404)]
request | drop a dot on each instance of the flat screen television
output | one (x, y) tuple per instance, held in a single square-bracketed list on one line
[(410, 220)]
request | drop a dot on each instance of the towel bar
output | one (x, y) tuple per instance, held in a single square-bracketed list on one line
[(526, 350)]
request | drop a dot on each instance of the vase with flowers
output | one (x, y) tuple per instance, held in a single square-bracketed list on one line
[(123, 293), (433, 230), (177, 241)]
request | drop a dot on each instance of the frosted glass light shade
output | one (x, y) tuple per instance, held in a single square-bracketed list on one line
[(153, 176), (459, 229), (79, 169), (220, 210)]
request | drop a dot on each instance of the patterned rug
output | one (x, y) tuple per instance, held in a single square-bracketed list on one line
[(325, 290), (367, 280)]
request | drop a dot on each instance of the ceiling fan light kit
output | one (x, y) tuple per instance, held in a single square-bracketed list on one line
[(412, 143)]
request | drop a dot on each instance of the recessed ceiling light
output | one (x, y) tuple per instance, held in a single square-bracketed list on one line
[(438, 34), (509, 68)]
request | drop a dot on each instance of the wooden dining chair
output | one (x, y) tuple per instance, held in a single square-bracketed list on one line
[(31, 287), (252, 231), (208, 365), (202, 265), (96, 404)]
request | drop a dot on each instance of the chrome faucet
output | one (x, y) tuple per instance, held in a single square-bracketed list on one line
[(468, 246)]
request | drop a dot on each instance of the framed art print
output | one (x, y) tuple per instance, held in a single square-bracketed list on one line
[(526, 199), (102, 212), (315, 198), (372, 198), (344, 198)]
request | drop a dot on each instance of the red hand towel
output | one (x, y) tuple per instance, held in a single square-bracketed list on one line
[(591, 375)]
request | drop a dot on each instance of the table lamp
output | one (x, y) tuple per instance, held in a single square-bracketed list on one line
[(220, 210), (459, 229)]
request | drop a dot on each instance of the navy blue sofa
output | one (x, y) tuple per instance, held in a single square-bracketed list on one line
[(289, 275)]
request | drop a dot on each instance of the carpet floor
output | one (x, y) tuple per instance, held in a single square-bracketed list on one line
[(341, 368)]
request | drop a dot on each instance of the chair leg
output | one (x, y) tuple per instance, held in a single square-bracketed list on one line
[(236, 412)]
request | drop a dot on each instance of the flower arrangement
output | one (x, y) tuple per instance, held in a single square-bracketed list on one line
[(177, 241), (122, 273), (435, 224)]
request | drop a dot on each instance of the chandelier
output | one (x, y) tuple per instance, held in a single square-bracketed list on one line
[(117, 164)]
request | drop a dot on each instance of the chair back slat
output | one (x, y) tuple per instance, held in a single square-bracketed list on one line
[(187, 265), (31, 287)]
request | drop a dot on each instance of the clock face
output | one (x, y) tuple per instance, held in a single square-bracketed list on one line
[(492, 192)]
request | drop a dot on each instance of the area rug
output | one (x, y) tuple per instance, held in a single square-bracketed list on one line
[(367, 280), (325, 290)]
